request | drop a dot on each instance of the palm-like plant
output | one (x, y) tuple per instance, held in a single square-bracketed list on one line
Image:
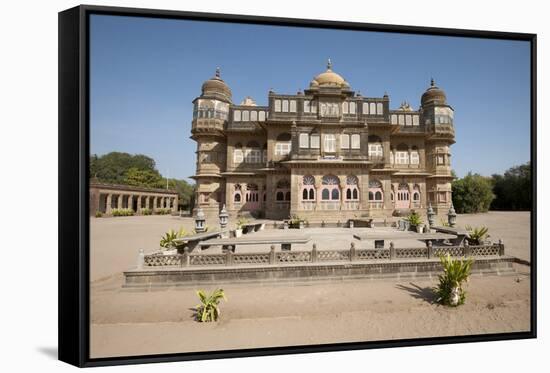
[(209, 310), (414, 219), (477, 235), (455, 273), (168, 240)]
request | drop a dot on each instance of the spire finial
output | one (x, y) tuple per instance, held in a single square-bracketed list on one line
[(432, 82), (217, 72), (329, 64)]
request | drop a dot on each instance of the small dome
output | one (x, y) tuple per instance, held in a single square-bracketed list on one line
[(434, 95), (248, 101), (215, 86), (405, 106), (329, 79)]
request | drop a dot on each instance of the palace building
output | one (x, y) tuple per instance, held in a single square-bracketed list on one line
[(327, 153)]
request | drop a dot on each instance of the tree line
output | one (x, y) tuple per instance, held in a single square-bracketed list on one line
[(510, 191), (137, 170)]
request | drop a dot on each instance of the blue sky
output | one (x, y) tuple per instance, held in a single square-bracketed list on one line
[(145, 72)]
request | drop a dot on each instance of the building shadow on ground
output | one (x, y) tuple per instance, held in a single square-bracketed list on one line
[(426, 294), (50, 352)]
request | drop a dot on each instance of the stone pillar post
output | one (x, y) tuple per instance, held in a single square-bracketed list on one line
[(147, 198), (131, 201), (108, 203), (119, 201), (138, 204), (155, 203)]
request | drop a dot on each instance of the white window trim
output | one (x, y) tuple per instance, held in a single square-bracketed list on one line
[(344, 141), (355, 141), (304, 141)]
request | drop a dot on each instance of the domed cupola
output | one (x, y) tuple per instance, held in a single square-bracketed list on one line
[(215, 87), (329, 79), (434, 95)]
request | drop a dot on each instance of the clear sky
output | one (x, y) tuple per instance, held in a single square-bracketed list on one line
[(145, 72)]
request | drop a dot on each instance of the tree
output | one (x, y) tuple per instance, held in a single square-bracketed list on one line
[(137, 170), (472, 194), (143, 178), (513, 190), (112, 167)]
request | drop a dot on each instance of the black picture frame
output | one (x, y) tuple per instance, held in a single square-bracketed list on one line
[(74, 235)]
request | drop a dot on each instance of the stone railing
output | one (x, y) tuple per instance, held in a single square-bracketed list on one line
[(318, 256)]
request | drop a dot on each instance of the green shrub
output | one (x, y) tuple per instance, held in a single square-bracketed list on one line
[(163, 211), (477, 235), (167, 241), (209, 310), (295, 220), (241, 222), (122, 212), (449, 292), (98, 214), (146, 211), (414, 219)]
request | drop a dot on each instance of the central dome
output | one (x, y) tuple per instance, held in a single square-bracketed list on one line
[(329, 79)]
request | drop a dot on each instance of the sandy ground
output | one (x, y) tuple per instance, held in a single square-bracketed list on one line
[(137, 321), (128, 322)]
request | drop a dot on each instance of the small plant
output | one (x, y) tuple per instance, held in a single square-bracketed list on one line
[(122, 212), (209, 310), (241, 222), (477, 235), (146, 211), (456, 272), (444, 223), (162, 211), (414, 219), (295, 220), (168, 240), (98, 214)]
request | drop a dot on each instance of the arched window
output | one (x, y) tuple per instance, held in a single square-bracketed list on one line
[(416, 196), (283, 144), (331, 188), (352, 192), (252, 196), (237, 195), (283, 191), (308, 188), (376, 194)]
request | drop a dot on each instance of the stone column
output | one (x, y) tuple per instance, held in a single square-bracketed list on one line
[(131, 201), (147, 198), (138, 204), (108, 204), (155, 203), (364, 191), (119, 201), (176, 200), (386, 185)]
